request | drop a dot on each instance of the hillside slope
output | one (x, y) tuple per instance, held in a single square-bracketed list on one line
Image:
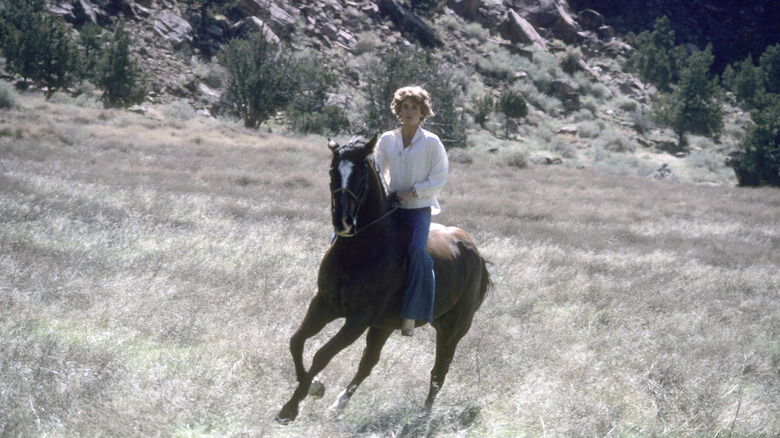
[(591, 114)]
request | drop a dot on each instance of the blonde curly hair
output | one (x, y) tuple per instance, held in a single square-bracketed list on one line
[(418, 94)]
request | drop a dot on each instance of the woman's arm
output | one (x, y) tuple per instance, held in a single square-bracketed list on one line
[(437, 176)]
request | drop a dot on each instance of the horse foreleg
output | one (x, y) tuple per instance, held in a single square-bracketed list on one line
[(375, 340), (352, 329), (317, 317)]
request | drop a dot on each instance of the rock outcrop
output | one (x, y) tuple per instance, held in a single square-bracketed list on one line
[(519, 31), (409, 23), (174, 29)]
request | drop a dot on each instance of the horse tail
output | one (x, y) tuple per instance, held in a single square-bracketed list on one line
[(485, 284)]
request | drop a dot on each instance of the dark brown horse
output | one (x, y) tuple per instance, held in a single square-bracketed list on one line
[(363, 274)]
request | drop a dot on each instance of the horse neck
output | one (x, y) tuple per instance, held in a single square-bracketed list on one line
[(376, 204)]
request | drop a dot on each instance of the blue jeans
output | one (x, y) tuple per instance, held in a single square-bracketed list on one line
[(418, 296)]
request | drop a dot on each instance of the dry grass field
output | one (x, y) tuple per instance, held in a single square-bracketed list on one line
[(152, 270)]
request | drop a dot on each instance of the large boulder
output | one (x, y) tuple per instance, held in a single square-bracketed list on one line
[(253, 24), (551, 15), (489, 14), (281, 22), (76, 12), (519, 31), (174, 29), (409, 23), (591, 20)]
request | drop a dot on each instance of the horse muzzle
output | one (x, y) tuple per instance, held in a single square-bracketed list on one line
[(346, 227)]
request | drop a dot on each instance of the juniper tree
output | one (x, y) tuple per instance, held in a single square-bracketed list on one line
[(696, 104), (745, 80), (37, 44), (513, 105), (118, 73), (262, 78)]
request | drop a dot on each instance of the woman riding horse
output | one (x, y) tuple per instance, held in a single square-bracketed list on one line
[(362, 277), (414, 163)]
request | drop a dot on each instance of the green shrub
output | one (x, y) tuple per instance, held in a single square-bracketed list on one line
[(759, 162), (9, 98), (309, 110), (615, 141), (703, 160), (330, 119), (512, 103), (500, 65), (367, 42), (770, 65), (37, 44), (745, 80), (586, 113), (570, 61), (118, 73), (262, 78), (695, 106), (517, 159), (84, 99), (627, 104), (91, 42), (477, 32), (589, 107), (641, 122), (178, 110), (483, 106), (657, 59), (544, 102), (414, 66), (564, 146), (588, 129)]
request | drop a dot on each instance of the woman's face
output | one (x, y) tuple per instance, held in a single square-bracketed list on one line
[(411, 113)]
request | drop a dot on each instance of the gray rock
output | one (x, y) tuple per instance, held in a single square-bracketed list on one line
[(174, 29)]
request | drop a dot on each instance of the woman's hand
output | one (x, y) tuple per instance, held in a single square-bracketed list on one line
[(404, 195)]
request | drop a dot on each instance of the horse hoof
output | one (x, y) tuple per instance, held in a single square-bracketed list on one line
[(317, 389), (340, 403), (285, 416)]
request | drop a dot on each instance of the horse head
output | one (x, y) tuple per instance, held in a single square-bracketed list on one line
[(351, 175)]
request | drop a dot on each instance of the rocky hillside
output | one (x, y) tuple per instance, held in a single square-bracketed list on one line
[(175, 45), (169, 35)]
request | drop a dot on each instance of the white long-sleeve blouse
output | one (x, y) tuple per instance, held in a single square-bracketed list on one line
[(423, 166)]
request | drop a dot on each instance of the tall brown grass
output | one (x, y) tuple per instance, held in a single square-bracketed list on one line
[(153, 270)]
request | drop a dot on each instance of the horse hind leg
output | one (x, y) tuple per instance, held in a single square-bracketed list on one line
[(375, 340), (447, 339)]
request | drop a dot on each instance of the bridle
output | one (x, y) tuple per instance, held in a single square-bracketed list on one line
[(360, 199)]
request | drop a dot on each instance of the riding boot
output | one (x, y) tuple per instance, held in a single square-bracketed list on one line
[(407, 328)]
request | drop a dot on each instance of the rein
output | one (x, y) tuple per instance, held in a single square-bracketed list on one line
[(359, 200), (388, 213)]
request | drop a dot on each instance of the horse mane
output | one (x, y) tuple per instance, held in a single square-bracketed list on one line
[(385, 187)]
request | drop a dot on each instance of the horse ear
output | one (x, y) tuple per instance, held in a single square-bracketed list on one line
[(332, 145), (371, 144)]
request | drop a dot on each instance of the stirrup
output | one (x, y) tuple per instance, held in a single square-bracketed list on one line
[(407, 328)]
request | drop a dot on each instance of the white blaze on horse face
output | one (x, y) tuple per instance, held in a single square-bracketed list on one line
[(345, 168)]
